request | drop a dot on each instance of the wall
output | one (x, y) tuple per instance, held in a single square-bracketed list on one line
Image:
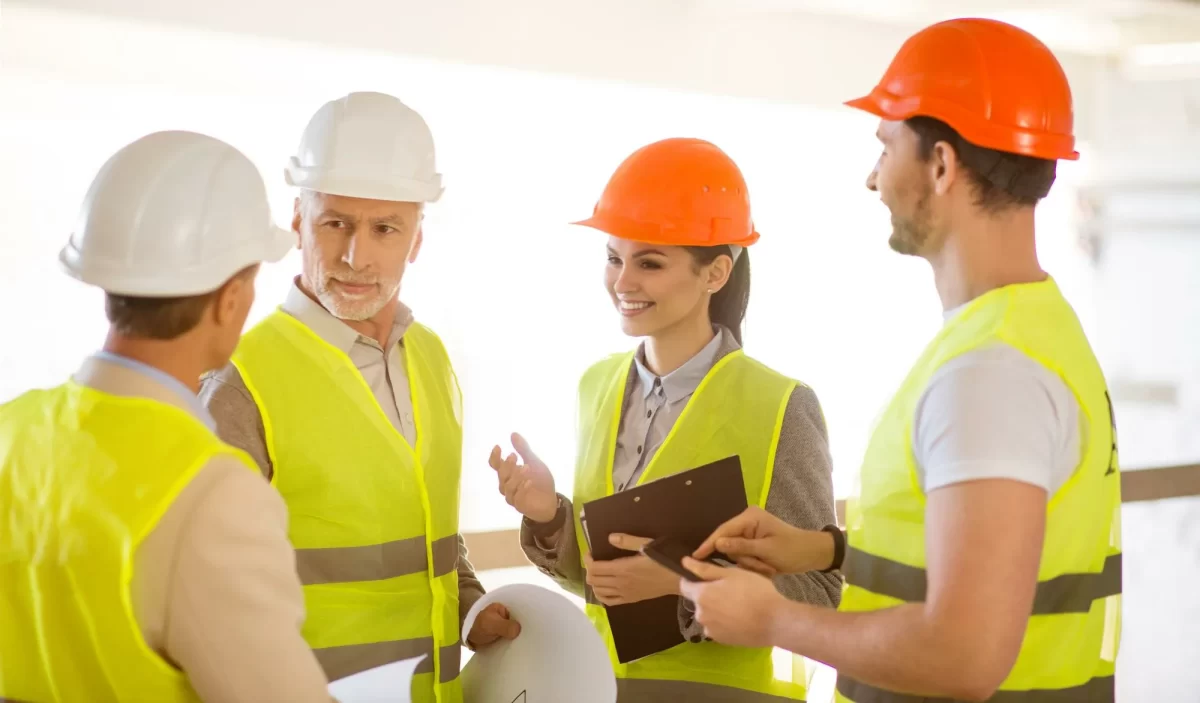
[(1146, 234), (704, 46)]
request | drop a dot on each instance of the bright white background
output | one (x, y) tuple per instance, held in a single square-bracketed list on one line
[(515, 292)]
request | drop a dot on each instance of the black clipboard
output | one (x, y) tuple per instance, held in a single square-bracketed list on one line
[(687, 507)]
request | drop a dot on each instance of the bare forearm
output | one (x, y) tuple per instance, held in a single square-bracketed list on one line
[(899, 649)]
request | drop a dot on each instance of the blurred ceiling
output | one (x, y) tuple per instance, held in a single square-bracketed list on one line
[(1096, 27)]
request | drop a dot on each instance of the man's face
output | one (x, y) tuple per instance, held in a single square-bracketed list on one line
[(905, 186), (355, 251)]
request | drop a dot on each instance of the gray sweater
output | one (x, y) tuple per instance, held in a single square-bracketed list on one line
[(801, 494)]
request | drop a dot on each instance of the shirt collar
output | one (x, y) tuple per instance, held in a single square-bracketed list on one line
[(89, 374), (333, 330), (683, 381)]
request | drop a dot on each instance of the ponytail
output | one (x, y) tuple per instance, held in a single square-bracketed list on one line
[(728, 305)]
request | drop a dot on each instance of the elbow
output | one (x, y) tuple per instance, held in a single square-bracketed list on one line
[(976, 664), (979, 679)]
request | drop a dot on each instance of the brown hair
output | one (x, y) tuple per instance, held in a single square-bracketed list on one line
[(728, 305), (161, 318), (1001, 179)]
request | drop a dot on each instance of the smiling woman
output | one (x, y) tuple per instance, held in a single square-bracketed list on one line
[(677, 213)]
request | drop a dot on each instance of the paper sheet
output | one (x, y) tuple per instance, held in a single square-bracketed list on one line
[(558, 656), (390, 683)]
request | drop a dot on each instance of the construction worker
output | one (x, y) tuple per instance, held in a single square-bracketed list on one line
[(352, 409), (983, 549), (677, 216), (142, 558)]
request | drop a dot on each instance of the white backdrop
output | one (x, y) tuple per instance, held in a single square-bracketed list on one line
[(513, 290)]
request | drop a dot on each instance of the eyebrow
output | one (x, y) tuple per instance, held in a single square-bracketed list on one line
[(337, 215), (392, 219), (643, 252)]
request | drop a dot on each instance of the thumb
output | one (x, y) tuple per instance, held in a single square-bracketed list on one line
[(524, 450), (706, 571), (511, 629)]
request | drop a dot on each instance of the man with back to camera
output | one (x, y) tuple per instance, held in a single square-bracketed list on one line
[(983, 549), (353, 410), (141, 558)]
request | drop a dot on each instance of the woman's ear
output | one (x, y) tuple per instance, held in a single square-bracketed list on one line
[(718, 272)]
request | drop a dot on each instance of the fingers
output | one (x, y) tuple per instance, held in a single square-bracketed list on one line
[(706, 571), (757, 565), (628, 542), (608, 595), (736, 526), (524, 450), (738, 547)]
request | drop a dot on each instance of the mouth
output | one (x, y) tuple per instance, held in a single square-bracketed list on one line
[(632, 308), (353, 289)]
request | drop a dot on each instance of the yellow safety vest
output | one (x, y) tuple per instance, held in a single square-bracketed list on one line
[(374, 520), (84, 477), (1070, 643), (737, 409)]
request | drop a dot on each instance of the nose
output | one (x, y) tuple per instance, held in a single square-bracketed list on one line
[(872, 177), (626, 280), (355, 255)]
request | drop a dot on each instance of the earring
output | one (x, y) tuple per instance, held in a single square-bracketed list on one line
[(710, 291)]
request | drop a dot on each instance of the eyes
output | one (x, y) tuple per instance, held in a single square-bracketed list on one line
[(643, 263), (343, 226)]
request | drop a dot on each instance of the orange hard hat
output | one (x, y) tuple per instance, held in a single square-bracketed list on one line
[(676, 192), (998, 86)]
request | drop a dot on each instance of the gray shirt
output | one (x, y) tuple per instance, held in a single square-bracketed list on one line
[(801, 491), (652, 406)]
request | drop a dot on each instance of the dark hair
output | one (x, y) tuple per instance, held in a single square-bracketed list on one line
[(728, 305), (161, 318), (1001, 179)]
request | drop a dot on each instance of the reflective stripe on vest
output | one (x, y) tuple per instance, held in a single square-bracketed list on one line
[(84, 477), (737, 409), (374, 520), (1070, 643)]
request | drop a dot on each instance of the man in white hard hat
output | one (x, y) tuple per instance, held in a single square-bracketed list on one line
[(142, 558), (352, 409)]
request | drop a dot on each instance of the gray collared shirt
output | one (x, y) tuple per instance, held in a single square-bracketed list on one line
[(382, 367), (652, 406)]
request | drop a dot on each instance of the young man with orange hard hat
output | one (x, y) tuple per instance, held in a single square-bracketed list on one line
[(982, 553)]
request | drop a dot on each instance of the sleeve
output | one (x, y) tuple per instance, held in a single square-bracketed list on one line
[(557, 556), (995, 413), (801, 494), (235, 606), (239, 422), (470, 589)]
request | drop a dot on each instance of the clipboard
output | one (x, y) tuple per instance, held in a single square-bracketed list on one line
[(686, 507)]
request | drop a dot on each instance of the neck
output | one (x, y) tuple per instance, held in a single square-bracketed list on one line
[(989, 253), (377, 327), (181, 358), (672, 348)]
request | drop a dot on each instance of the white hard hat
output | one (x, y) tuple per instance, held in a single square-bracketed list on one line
[(367, 145), (173, 214)]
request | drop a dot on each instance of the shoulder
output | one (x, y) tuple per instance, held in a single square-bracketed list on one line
[(994, 412), (224, 391)]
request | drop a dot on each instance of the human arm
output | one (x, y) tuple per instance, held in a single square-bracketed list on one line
[(239, 421), (961, 642), (984, 529), (234, 605)]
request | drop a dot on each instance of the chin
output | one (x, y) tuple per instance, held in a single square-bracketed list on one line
[(634, 327)]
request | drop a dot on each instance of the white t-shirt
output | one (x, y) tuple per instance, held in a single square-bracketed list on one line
[(996, 413)]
